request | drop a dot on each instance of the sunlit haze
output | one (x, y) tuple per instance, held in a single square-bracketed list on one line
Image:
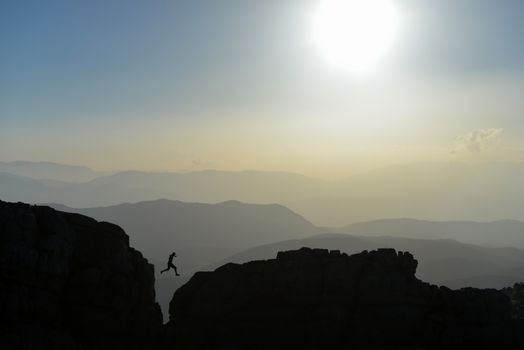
[(354, 34), (325, 88)]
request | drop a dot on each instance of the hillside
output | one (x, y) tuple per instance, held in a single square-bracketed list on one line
[(134, 186), (49, 170), (217, 186), (502, 233), (433, 191), (443, 191), (200, 233), (30, 190)]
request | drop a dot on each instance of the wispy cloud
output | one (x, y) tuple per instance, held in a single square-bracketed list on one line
[(478, 140), (203, 163)]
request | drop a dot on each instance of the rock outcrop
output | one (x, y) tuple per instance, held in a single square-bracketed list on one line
[(316, 299), (70, 282), (516, 295)]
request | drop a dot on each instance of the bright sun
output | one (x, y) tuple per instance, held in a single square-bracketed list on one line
[(355, 34)]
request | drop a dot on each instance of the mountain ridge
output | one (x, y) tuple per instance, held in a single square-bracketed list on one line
[(436, 191), (50, 170), (498, 233)]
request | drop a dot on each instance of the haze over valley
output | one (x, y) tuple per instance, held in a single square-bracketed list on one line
[(430, 191)]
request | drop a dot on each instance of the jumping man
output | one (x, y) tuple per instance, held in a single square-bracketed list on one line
[(170, 264)]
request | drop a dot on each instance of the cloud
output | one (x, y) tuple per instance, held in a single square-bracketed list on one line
[(478, 140), (203, 163)]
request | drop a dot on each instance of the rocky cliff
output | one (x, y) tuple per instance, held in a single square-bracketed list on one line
[(316, 299), (70, 282)]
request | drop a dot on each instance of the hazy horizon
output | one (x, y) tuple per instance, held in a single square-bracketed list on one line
[(100, 172), (233, 85), (431, 191)]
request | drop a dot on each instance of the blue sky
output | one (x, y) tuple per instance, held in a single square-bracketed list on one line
[(216, 67)]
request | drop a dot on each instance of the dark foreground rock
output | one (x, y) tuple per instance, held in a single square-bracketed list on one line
[(516, 295), (315, 299), (70, 282)]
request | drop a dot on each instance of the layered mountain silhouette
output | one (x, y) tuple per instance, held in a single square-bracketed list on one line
[(71, 282), (217, 186), (50, 170), (501, 233), (132, 186), (433, 191), (202, 233), (207, 235), (26, 189)]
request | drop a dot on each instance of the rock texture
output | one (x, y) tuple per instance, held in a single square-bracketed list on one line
[(516, 295), (316, 299), (70, 282)]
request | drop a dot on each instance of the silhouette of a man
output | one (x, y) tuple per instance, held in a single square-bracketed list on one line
[(170, 264)]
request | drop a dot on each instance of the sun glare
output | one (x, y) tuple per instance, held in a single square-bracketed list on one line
[(355, 34)]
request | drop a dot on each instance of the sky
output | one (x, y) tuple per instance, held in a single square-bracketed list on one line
[(239, 84)]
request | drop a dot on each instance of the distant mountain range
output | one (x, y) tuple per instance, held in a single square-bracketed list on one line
[(217, 186), (502, 233), (200, 233), (433, 191), (205, 235), (50, 170), (29, 190), (132, 186), (208, 235)]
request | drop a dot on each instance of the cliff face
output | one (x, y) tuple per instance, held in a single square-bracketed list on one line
[(70, 282), (315, 299)]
